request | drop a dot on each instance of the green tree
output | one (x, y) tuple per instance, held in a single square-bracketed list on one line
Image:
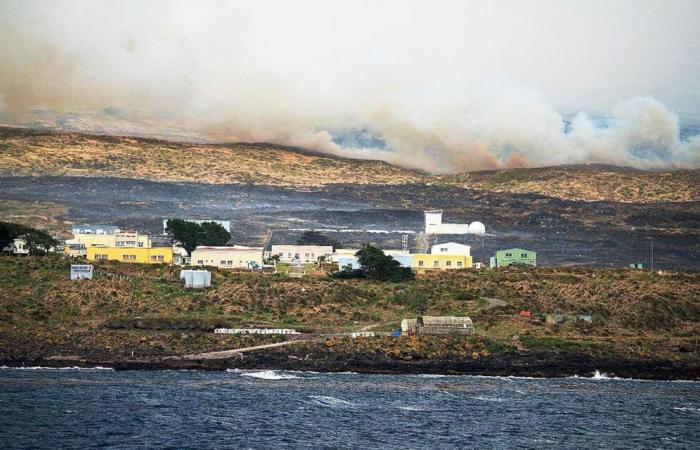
[(191, 234), (378, 266), (38, 241)]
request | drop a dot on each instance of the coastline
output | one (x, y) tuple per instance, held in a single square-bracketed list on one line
[(535, 365)]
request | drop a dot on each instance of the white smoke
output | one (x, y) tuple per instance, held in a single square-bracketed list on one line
[(467, 85)]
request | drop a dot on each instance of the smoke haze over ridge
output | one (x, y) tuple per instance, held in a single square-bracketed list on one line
[(468, 85)]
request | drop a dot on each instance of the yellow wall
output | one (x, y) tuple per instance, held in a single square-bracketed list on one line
[(143, 255), (447, 262)]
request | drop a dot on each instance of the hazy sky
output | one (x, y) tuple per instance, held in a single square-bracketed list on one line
[(446, 85)]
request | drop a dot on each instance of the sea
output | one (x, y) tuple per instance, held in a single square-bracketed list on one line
[(102, 408)]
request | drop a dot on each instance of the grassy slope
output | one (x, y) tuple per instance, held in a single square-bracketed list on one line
[(33, 153), (41, 312)]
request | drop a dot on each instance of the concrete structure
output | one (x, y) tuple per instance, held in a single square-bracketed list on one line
[(119, 238), (180, 255), (350, 262), (255, 331), (451, 248), (231, 257), (94, 229), (74, 251), (343, 253), (514, 256), (224, 223), (638, 266), (434, 225), (142, 255), (196, 278), (440, 325), (425, 261), (81, 271), (409, 326), (301, 253)]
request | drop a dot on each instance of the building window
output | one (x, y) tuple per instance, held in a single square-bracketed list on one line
[(443, 249), (523, 255), (459, 263), (420, 263), (448, 263), (140, 244), (230, 263), (306, 255), (296, 256), (157, 258), (101, 257), (128, 257), (223, 263), (436, 263), (508, 255), (200, 262), (289, 255)]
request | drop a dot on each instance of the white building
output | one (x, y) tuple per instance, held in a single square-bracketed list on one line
[(233, 257), (94, 229), (301, 253), (434, 225), (18, 247), (451, 249), (224, 223)]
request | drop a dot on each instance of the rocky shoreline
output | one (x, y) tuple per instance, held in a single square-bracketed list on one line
[(531, 364)]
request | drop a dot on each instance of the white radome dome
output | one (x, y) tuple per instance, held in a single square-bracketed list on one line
[(477, 228)]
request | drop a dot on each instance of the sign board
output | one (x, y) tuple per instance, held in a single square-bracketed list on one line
[(80, 271)]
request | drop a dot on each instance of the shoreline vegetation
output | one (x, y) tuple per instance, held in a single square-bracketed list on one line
[(137, 317)]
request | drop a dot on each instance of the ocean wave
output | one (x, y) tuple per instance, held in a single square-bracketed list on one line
[(686, 408), (484, 398), (269, 375), (331, 402)]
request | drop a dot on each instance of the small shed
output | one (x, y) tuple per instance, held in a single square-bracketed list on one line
[(196, 278), (81, 271), (437, 325)]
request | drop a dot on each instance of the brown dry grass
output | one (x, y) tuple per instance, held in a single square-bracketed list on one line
[(35, 153)]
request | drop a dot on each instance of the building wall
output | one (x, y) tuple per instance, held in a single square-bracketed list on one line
[(228, 257), (119, 239), (301, 253), (425, 261), (451, 248), (142, 255), (515, 256)]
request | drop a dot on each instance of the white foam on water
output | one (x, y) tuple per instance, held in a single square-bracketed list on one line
[(484, 398), (686, 408), (331, 402), (411, 408), (269, 375)]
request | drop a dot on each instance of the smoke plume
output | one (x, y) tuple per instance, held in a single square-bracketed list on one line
[(464, 86)]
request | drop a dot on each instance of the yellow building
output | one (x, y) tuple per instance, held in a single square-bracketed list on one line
[(426, 261), (142, 255), (121, 238)]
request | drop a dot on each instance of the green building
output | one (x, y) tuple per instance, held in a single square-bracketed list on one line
[(512, 256)]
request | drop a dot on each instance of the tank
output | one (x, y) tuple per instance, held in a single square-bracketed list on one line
[(477, 228)]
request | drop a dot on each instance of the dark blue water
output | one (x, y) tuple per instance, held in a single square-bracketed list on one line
[(100, 408)]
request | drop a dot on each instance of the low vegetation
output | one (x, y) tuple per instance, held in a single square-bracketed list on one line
[(144, 308)]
